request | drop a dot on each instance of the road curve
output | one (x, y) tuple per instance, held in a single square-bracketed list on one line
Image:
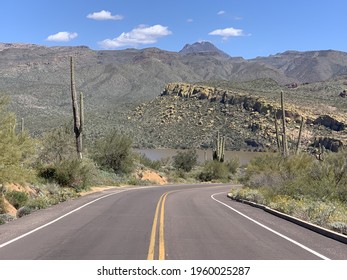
[(177, 222)]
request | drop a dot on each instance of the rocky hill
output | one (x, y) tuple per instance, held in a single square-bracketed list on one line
[(189, 115)]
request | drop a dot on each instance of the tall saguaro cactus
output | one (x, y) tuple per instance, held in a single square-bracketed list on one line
[(218, 153), (78, 114), (298, 144), (284, 132)]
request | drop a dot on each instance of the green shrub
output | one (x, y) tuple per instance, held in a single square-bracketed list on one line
[(4, 218), (114, 153), (16, 198), (2, 205), (185, 160), (75, 173), (233, 164), (57, 145), (214, 170), (17, 150)]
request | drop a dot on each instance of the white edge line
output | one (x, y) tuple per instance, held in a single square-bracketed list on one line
[(269, 229), (59, 218), (69, 213)]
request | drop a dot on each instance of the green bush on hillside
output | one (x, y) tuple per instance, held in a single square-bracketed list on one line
[(114, 153), (74, 173), (16, 149), (233, 164), (214, 170), (2, 204), (300, 176), (57, 145), (16, 198), (185, 160)]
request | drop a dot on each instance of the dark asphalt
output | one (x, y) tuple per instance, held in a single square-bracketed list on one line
[(195, 226)]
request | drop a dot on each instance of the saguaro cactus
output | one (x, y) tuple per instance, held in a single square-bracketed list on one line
[(218, 153), (22, 125), (78, 114), (298, 144), (284, 132), (278, 140)]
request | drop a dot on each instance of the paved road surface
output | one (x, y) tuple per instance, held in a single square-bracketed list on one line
[(178, 222)]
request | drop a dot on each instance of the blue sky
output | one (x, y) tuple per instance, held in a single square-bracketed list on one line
[(238, 27)]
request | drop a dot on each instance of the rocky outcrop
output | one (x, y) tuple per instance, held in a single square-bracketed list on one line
[(343, 93), (330, 122), (328, 143), (247, 102)]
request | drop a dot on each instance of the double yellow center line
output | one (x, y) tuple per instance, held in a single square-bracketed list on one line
[(158, 227)]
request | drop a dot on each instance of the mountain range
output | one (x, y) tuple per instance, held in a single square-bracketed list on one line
[(37, 78)]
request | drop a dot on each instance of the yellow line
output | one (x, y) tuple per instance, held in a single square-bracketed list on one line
[(160, 208), (161, 230), (150, 255)]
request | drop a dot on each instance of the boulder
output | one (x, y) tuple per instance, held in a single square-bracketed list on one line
[(329, 122), (331, 144)]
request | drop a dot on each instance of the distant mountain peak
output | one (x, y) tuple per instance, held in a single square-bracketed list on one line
[(202, 47)]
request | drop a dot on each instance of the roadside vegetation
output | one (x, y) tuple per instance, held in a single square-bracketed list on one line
[(36, 173), (301, 186)]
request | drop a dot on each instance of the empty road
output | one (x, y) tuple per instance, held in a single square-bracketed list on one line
[(177, 222)]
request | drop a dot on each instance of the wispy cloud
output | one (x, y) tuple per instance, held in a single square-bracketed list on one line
[(104, 15), (141, 35), (227, 32), (62, 37), (221, 13), (190, 20)]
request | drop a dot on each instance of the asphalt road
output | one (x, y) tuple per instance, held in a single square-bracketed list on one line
[(181, 222)]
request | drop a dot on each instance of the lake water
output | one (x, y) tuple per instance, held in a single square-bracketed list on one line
[(203, 155)]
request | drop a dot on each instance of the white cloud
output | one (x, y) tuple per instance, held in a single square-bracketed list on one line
[(104, 15), (221, 13), (141, 35), (227, 32), (190, 20), (62, 37)]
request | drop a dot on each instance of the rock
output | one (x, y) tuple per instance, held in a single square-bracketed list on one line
[(330, 122), (331, 144), (343, 93), (253, 143)]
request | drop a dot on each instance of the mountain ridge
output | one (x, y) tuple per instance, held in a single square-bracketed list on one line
[(37, 77)]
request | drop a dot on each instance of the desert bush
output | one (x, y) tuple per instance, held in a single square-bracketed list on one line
[(214, 170), (57, 145), (4, 218), (233, 164), (185, 160), (114, 153), (75, 173), (2, 205), (17, 198), (300, 176), (249, 194), (16, 149)]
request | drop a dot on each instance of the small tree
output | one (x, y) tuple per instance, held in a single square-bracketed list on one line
[(185, 160), (57, 145), (114, 153), (16, 149), (214, 170)]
